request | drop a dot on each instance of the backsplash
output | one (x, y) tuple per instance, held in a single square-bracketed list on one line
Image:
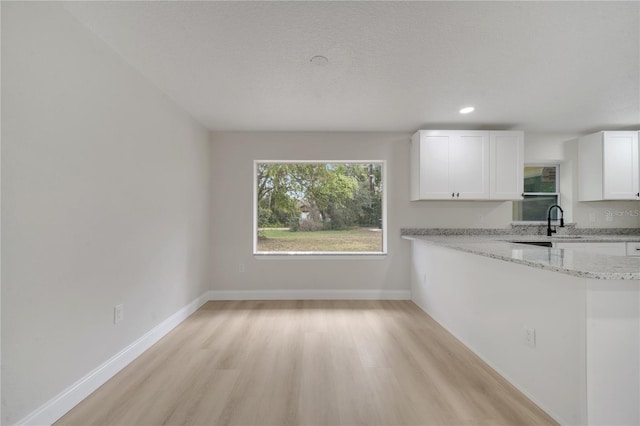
[(609, 214), (454, 231), (541, 229), (521, 229)]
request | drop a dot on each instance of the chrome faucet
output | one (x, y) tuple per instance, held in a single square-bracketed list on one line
[(549, 230)]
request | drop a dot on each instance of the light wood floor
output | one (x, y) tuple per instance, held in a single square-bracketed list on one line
[(307, 363)]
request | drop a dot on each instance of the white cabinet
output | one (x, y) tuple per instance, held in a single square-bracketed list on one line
[(633, 249), (609, 166), (506, 165), (466, 165), (609, 249), (450, 165)]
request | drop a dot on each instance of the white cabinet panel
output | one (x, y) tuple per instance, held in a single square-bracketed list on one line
[(470, 161), (609, 249), (633, 249), (620, 165), (435, 166), (506, 165), (609, 166)]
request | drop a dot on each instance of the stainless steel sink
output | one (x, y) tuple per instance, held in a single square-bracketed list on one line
[(536, 243)]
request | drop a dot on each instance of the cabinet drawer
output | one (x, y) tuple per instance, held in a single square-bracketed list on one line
[(633, 249)]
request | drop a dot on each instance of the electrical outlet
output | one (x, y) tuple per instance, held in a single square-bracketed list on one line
[(592, 217), (241, 267), (118, 313), (530, 337)]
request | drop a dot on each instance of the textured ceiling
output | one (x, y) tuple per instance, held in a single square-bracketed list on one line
[(568, 67)]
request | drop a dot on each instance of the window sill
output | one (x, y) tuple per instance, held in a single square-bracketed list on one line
[(319, 256)]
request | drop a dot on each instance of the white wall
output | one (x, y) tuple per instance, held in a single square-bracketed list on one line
[(106, 199), (233, 155), (563, 149)]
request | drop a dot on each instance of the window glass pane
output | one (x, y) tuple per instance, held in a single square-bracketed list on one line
[(535, 207), (540, 179), (319, 207)]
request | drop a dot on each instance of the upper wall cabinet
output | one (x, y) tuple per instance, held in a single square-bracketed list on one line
[(466, 165), (609, 166), (450, 165), (506, 165)]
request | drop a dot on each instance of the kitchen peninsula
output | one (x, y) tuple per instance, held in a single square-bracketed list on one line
[(562, 324)]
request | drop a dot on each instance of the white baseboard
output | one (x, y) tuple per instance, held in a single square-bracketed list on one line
[(310, 295), (58, 406)]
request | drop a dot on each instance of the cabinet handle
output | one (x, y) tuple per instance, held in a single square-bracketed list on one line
[(453, 194), (458, 195)]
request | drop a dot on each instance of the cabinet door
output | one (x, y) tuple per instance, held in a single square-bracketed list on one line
[(470, 160), (435, 166), (633, 249), (620, 165), (609, 249), (507, 165)]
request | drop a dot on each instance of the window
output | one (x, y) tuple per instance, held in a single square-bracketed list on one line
[(319, 207), (541, 191)]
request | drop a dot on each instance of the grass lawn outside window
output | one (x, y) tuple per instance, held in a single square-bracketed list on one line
[(319, 207), (352, 240)]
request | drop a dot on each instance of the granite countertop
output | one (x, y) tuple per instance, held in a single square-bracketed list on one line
[(567, 261)]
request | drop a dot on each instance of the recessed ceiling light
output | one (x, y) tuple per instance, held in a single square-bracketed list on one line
[(319, 61), (467, 110)]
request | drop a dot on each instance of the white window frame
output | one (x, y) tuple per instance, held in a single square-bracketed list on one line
[(323, 254), (557, 193)]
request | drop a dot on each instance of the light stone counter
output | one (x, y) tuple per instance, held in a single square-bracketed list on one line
[(567, 261)]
